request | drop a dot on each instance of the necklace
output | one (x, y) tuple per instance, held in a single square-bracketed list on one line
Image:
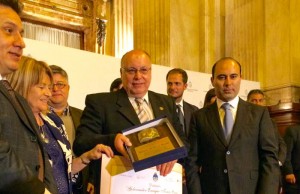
[(43, 134)]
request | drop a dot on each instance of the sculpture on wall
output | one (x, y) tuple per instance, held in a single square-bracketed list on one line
[(101, 31)]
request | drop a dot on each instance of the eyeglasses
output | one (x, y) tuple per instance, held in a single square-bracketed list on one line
[(59, 85), (133, 71)]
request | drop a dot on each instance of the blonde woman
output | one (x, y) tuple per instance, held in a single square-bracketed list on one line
[(33, 80)]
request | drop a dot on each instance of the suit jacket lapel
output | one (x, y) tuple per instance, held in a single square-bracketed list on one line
[(126, 109), (21, 113), (75, 114), (187, 117), (239, 120), (215, 123), (156, 105)]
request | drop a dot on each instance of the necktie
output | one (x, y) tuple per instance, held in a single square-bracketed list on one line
[(10, 90), (180, 116), (228, 121), (12, 94), (141, 111)]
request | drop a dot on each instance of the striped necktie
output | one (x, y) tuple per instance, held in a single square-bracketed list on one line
[(140, 110), (228, 121), (10, 91)]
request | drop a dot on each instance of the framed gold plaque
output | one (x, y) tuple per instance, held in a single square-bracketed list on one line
[(154, 142)]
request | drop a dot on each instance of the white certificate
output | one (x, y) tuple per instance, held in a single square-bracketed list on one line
[(118, 177)]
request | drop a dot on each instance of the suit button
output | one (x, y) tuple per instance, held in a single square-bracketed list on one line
[(228, 152), (37, 167), (225, 171), (33, 138)]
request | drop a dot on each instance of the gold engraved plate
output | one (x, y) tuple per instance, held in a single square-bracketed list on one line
[(147, 135), (154, 148)]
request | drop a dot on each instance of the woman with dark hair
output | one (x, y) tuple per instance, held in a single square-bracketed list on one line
[(210, 97), (116, 85)]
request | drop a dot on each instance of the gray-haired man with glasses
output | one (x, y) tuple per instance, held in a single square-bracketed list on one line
[(107, 114), (70, 115), (59, 101)]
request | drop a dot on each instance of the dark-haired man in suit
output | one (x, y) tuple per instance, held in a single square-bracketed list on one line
[(23, 163), (233, 146), (176, 85), (107, 114)]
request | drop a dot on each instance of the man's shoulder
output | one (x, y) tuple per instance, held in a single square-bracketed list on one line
[(159, 95), (293, 129), (150, 92), (72, 108), (99, 95), (103, 96), (190, 106), (255, 107), (207, 110)]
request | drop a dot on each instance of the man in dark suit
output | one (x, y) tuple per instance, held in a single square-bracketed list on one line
[(242, 158), (257, 97), (24, 165), (107, 114), (291, 168), (70, 116), (176, 85)]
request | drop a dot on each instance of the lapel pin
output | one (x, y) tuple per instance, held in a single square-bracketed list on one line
[(161, 108)]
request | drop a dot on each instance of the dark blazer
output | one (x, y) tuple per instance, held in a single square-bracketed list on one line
[(248, 164), (83, 176), (292, 162), (19, 147), (107, 114), (76, 115), (188, 110), (281, 144)]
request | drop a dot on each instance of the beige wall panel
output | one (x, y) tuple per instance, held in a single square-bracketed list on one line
[(202, 66), (213, 33), (243, 34), (295, 43), (184, 34), (278, 68), (152, 29)]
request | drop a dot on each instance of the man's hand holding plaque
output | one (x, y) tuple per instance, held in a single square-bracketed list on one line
[(121, 141), (165, 168), (154, 143)]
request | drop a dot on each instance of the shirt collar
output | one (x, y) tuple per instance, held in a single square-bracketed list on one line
[(64, 113), (234, 102), (180, 103), (146, 98)]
